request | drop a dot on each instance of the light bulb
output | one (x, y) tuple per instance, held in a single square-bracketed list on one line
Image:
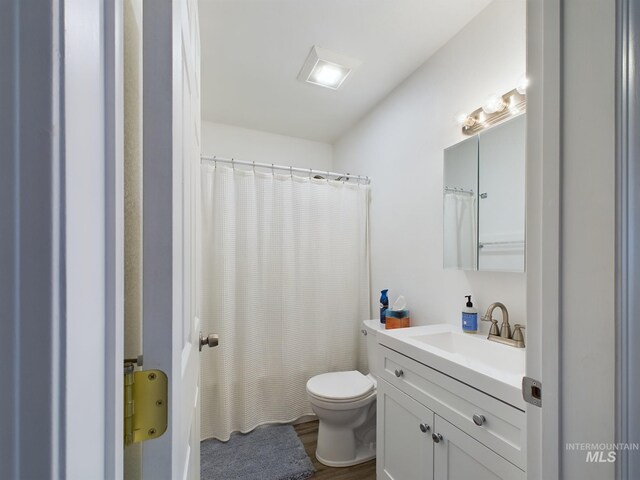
[(523, 83), (494, 103), (465, 120)]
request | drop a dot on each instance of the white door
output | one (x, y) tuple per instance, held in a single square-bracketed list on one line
[(457, 456), (171, 125), (404, 445)]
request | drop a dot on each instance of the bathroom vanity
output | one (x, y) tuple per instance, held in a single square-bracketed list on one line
[(449, 406)]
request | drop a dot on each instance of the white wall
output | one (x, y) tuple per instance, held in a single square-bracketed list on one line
[(400, 144), (262, 147)]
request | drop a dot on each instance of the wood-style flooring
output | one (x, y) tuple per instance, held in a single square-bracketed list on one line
[(308, 434)]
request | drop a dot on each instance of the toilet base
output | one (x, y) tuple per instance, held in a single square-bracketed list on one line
[(364, 453)]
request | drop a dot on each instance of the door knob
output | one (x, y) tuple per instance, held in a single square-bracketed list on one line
[(399, 373), (424, 428), (211, 340), (436, 437)]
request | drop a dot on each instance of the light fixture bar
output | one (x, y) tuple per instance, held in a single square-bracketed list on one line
[(515, 103)]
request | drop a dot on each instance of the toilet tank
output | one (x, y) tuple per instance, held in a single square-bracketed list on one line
[(372, 327)]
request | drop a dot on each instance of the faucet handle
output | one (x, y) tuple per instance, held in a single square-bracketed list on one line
[(517, 335), (493, 330)]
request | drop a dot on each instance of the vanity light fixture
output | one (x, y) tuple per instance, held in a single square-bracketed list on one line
[(326, 68), (495, 109)]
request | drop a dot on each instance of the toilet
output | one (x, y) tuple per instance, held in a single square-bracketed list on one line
[(345, 403)]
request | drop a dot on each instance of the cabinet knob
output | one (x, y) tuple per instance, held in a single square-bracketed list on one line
[(424, 428), (436, 437), (399, 373), (478, 419)]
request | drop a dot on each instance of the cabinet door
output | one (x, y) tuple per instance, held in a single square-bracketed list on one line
[(457, 456), (405, 448)]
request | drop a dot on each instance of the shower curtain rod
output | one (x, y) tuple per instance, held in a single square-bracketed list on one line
[(309, 171), (458, 190)]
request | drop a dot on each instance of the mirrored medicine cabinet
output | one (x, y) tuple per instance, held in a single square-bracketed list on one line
[(484, 200)]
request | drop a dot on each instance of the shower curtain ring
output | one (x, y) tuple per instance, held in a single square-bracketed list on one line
[(291, 171), (327, 176), (310, 174), (233, 163), (254, 166), (215, 162), (272, 170)]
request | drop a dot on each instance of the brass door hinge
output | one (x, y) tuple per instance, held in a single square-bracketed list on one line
[(145, 403)]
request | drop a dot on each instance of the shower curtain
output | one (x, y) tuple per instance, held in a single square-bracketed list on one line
[(285, 283), (460, 231)]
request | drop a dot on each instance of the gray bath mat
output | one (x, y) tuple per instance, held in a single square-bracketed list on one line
[(271, 452)]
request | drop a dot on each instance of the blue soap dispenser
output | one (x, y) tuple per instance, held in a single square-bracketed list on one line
[(469, 317), (384, 304)]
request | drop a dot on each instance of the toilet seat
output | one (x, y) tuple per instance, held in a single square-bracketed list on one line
[(340, 387)]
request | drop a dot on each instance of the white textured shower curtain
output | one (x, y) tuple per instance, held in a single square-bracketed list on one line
[(285, 283), (460, 231)]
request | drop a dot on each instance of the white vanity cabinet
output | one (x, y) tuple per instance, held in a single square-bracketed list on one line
[(458, 456), (404, 444), (426, 427)]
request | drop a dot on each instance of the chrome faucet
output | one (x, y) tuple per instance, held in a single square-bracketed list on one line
[(504, 335)]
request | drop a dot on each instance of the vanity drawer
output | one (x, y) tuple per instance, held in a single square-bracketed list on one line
[(503, 428)]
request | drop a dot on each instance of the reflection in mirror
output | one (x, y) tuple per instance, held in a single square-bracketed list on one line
[(460, 205), (501, 180), (484, 195)]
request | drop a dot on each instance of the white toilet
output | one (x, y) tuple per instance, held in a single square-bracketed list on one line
[(345, 403)]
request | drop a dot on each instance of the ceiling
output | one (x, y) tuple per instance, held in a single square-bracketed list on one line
[(252, 51)]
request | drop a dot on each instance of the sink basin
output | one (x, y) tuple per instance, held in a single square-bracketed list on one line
[(491, 367), (472, 348)]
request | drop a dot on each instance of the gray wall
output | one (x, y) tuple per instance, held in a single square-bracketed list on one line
[(588, 233)]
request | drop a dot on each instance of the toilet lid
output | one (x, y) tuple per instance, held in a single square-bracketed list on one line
[(340, 386)]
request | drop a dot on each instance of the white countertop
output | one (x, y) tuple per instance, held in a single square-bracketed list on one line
[(490, 367)]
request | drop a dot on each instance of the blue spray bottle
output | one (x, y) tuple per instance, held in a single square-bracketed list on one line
[(384, 304)]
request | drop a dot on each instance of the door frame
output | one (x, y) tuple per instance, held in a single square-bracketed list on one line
[(32, 216), (61, 276), (627, 233), (543, 237), (114, 236), (94, 236)]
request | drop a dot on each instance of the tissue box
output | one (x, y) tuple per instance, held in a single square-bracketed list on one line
[(397, 319)]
